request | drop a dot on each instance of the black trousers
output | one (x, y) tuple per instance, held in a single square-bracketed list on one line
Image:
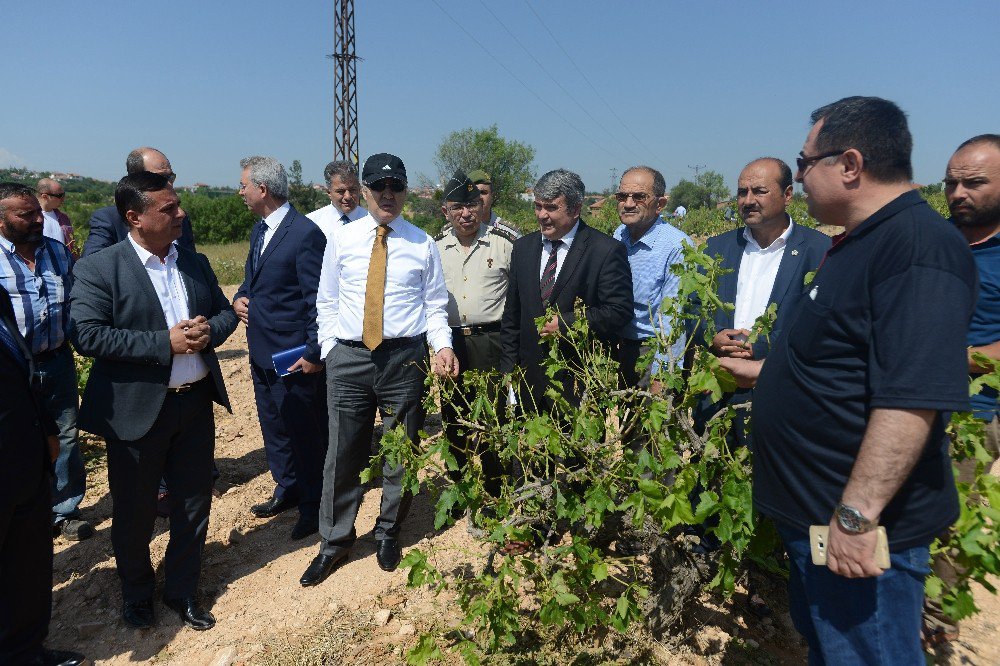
[(25, 573), (179, 448), (474, 352)]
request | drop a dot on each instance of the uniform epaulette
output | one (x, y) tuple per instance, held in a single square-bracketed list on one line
[(440, 236), (504, 231)]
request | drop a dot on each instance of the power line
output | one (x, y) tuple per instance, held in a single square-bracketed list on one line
[(541, 66), (696, 168), (580, 72), (523, 84)]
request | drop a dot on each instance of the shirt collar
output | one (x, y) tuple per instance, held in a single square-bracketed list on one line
[(567, 239), (648, 239), (481, 236), (780, 241), (6, 244), (145, 255), (274, 219)]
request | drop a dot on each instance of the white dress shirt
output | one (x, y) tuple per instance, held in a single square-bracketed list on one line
[(416, 298), (758, 270), (51, 227), (329, 218), (184, 368), (272, 221), (561, 253)]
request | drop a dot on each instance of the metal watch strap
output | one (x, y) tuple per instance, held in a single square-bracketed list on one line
[(854, 521)]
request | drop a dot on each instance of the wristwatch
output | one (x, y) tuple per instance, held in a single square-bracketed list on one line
[(853, 521)]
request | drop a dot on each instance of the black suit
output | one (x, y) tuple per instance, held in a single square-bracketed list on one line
[(25, 507), (151, 432), (107, 228), (595, 270)]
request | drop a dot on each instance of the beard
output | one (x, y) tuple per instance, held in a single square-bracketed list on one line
[(978, 217), (19, 237)]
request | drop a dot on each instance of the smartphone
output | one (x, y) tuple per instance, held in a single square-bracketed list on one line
[(820, 534)]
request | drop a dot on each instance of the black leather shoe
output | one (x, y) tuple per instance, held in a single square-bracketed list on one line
[(138, 614), (322, 566), (193, 615), (388, 554), (57, 658), (304, 528), (273, 507)]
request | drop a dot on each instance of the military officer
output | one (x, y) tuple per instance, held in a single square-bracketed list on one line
[(484, 184), (475, 257)]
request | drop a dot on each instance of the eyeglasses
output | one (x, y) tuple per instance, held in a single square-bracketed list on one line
[(638, 197), (171, 177), (391, 183), (803, 162)]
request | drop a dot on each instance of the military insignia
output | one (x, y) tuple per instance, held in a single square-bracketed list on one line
[(469, 187), (489, 262)]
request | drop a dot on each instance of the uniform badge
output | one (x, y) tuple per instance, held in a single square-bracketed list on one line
[(489, 262)]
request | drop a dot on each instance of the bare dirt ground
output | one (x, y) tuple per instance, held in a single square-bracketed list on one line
[(361, 614)]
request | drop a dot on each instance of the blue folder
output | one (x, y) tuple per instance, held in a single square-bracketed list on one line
[(285, 359)]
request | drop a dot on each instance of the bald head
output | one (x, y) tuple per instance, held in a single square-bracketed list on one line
[(50, 194), (149, 159)]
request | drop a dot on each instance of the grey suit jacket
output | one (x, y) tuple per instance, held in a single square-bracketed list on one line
[(118, 320)]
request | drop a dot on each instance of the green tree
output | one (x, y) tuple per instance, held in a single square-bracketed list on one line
[(508, 162), (707, 189), (304, 197)]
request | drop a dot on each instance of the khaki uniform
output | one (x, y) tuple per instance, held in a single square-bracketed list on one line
[(477, 288)]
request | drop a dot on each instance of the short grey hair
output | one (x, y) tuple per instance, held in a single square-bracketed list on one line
[(561, 182), (346, 170), (268, 172)]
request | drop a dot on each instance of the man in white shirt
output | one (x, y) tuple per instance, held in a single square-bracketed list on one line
[(382, 300), (151, 315), (769, 257), (344, 190), (56, 224)]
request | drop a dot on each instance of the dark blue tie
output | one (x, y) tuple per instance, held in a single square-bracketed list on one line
[(258, 244), (7, 340)]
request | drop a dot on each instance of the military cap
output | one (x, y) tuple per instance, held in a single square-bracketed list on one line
[(478, 176), (460, 189)]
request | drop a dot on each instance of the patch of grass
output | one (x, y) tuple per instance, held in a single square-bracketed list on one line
[(228, 260)]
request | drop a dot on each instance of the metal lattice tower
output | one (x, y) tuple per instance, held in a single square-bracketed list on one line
[(345, 87)]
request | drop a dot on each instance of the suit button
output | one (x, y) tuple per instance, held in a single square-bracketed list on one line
[(36, 424)]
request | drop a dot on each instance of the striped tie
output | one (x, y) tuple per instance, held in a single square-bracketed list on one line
[(549, 274), (258, 245)]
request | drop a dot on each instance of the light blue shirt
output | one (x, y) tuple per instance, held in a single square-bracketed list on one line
[(41, 297), (650, 259)]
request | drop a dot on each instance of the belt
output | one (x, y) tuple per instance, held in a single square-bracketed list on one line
[(478, 329), (387, 344), (48, 354), (184, 388)]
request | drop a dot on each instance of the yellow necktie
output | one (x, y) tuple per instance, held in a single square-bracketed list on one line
[(371, 328)]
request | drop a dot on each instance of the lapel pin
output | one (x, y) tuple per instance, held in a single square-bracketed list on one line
[(794, 252)]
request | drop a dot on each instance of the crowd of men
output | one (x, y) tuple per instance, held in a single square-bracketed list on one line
[(348, 308)]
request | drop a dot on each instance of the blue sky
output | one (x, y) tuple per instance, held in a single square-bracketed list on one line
[(671, 84)]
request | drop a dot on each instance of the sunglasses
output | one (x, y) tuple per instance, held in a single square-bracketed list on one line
[(804, 162), (54, 195), (638, 197), (391, 183)]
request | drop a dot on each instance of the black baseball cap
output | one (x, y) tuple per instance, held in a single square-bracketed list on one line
[(383, 165), (460, 189)]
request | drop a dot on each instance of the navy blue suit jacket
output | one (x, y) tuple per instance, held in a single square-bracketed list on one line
[(107, 228), (282, 291), (24, 424), (803, 254)]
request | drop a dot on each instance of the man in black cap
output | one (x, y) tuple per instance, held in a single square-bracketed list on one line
[(476, 261), (382, 299)]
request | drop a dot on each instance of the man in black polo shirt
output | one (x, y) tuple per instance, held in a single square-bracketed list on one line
[(847, 414)]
